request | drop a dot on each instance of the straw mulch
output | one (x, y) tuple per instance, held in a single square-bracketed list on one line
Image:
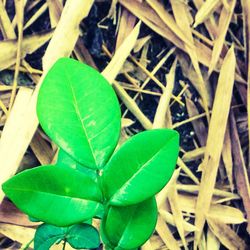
[(177, 64)]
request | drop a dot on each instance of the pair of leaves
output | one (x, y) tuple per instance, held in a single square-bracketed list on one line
[(78, 236), (55, 194)]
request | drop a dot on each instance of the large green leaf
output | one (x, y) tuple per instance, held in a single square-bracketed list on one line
[(79, 110), (141, 167), (47, 235), (56, 195), (83, 236), (66, 160), (129, 227)]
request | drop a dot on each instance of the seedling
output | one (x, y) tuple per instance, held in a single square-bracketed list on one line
[(79, 111)]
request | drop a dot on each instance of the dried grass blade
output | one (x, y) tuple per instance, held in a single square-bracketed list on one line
[(224, 21), (181, 16), (240, 172), (169, 218), (132, 106), (189, 173), (226, 214), (126, 26), (175, 208), (41, 149), (30, 44), (205, 11), (160, 115), (212, 241), (193, 155), (120, 56), (8, 142), (166, 235), (226, 235), (20, 234), (5, 23), (199, 126), (215, 139), (67, 31), (55, 9), (246, 21), (19, 5), (227, 157), (169, 21)]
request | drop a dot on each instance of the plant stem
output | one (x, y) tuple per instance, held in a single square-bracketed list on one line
[(64, 245)]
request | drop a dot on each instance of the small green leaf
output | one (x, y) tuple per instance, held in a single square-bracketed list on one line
[(79, 110), (83, 236), (141, 167), (129, 227), (65, 160), (56, 195), (47, 235)]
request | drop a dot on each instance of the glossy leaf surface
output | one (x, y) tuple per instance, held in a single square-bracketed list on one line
[(83, 236), (56, 195), (47, 235), (78, 236), (79, 110), (129, 227), (67, 161), (141, 167)]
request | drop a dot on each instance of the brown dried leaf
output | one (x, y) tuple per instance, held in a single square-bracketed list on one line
[(11, 215), (226, 235), (224, 21), (169, 21), (160, 115), (8, 142), (120, 56), (215, 139), (240, 171), (126, 26), (166, 235), (176, 209), (66, 32), (212, 241), (227, 157), (226, 214), (20, 234), (207, 8), (30, 44)]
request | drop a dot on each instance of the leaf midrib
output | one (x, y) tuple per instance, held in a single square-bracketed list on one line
[(141, 168), (48, 193), (80, 118)]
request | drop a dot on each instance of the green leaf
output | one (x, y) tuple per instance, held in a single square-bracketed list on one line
[(65, 160), (47, 235), (141, 167), (56, 195), (129, 227), (79, 110), (83, 236)]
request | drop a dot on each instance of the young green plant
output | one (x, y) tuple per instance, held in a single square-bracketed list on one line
[(79, 111)]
